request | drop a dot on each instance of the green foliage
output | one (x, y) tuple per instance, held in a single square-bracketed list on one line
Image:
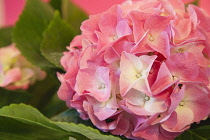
[(53, 107), (201, 133), (10, 96), (71, 115), (43, 91), (22, 122), (5, 36), (73, 15), (28, 31), (56, 4), (55, 39)]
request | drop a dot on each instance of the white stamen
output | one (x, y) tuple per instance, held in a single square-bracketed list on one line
[(138, 75), (103, 86), (174, 77), (180, 50), (115, 38), (146, 98), (151, 38), (181, 104)]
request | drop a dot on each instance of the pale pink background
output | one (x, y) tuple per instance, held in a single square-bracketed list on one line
[(12, 8)]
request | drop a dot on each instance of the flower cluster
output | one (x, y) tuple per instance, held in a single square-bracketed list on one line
[(140, 69), (15, 71)]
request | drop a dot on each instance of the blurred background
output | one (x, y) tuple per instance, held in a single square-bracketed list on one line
[(11, 9)]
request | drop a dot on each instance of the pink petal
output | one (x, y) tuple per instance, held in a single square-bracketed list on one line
[(99, 86), (108, 21), (11, 76), (65, 92), (123, 29), (161, 44), (163, 81)]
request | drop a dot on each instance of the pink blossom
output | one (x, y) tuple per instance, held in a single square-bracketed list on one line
[(139, 68), (15, 71)]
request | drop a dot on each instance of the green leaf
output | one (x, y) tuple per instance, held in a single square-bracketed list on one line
[(10, 96), (43, 91), (71, 115), (23, 122), (56, 37), (73, 15), (91, 133), (28, 31), (54, 106), (201, 133), (56, 4), (5, 36)]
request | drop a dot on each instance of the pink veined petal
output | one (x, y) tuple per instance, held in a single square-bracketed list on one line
[(138, 109), (156, 24), (204, 19), (135, 97), (196, 99), (100, 124), (182, 29), (178, 4), (65, 92), (171, 122), (193, 16), (152, 77), (142, 85), (155, 105), (141, 46), (113, 53), (183, 66), (85, 56), (123, 125), (76, 43), (70, 60), (204, 5), (134, 72), (108, 21), (176, 97), (150, 133), (168, 134), (103, 110), (99, 86), (90, 26), (123, 29), (160, 44), (163, 81), (184, 118), (103, 40), (198, 52), (138, 18), (128, 71)]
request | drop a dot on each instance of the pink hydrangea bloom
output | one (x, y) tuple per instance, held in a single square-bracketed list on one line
[(140, 69), (15, 71)]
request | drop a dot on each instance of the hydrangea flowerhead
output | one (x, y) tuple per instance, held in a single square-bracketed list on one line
[(139, 68)]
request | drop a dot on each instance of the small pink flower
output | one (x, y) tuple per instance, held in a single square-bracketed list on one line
[(15, 71), (193, 106), (134, 72)]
